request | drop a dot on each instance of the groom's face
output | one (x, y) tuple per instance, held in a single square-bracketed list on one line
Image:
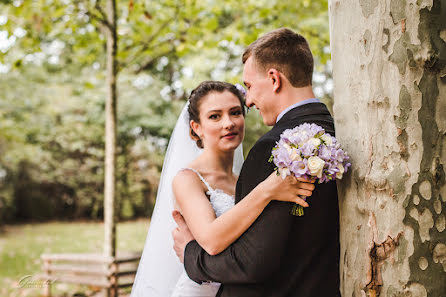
[(259, 92)]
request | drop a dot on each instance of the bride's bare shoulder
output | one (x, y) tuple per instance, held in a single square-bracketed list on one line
[(187, 173), (186, 178)]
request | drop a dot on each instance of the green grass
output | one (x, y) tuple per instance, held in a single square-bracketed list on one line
[(22, 245)]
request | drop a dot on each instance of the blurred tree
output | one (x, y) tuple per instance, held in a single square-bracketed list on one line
[(52, 60)]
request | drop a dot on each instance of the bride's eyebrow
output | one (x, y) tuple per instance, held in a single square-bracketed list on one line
[(219, 110), (214, 110)]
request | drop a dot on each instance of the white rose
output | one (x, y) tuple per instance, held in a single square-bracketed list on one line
[(284, 172), (340, 172), (316, 165), (315, 141), (295, 156), (327, 139)]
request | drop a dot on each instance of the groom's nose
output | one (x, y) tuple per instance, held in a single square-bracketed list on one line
[(248, 102)]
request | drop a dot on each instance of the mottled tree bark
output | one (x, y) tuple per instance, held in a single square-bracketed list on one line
[(389, 74)]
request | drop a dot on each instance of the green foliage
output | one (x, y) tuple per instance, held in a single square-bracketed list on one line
[(53, 156), (52, 102)]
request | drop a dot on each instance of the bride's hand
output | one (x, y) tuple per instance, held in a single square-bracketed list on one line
[(181, 235), (288, 189)]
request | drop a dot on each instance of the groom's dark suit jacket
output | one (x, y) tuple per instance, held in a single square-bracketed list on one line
[(280, 254)]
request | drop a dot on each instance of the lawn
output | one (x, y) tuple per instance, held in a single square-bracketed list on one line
[(22, 245)]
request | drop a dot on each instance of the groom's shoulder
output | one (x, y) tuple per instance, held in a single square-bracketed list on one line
[(270, 137), (273, 135), (316, 113), (263, 146), (266, 141)]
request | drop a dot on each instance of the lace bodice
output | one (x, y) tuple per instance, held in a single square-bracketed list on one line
[(220, 201)]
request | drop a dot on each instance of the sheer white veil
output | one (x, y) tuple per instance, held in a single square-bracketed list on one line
[(159, 268)]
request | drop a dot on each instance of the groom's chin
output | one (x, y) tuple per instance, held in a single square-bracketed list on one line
[(268, 119), (268, 122)]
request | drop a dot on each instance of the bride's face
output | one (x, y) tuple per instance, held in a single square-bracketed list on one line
[(222, 124)]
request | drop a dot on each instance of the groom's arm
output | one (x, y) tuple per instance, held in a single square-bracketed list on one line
[(257, 253)]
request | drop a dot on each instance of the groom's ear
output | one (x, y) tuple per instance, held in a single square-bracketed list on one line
[(276, 80)]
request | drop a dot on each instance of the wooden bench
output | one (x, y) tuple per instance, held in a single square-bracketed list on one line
[(90, 269)]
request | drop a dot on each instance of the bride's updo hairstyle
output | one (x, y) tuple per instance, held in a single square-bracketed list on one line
[(202, 91)]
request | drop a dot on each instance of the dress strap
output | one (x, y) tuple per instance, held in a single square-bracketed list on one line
[(201, 177)]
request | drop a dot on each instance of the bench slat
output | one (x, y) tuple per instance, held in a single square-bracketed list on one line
[(90, 269), (91, 258), (127, 259), (123, 273), (123, 285), (73, 269)]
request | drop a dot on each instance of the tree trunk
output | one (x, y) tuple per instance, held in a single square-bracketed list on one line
[(389, 74), (110, 133)]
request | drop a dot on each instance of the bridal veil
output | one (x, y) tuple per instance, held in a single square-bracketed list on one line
[(159, 268)]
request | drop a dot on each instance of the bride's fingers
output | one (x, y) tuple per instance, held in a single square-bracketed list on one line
[(175, 232), (304, 180), (301, 202), (304, 192), (306, 186), (179, 219)]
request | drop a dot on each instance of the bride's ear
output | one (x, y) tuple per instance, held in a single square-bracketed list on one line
[(196, 129)]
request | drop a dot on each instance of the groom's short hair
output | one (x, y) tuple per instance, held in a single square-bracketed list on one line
[(286, 51)]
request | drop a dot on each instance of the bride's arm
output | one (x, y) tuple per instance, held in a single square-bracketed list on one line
[(215, 234)]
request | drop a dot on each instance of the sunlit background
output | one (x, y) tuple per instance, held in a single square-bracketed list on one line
[(52, 98)]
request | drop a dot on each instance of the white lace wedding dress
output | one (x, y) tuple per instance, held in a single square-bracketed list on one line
[(185, 287)]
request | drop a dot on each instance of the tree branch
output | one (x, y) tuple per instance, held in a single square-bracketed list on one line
[(103, 14), (102, 18), (152, 60), (134, 57), (152, 37), (99, 19)]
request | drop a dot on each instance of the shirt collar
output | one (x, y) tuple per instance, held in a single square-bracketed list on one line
[(300, 103)]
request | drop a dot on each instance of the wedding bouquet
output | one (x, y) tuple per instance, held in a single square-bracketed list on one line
[(308, 152)]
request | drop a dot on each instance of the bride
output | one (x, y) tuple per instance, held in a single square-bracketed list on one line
[(198, 179)]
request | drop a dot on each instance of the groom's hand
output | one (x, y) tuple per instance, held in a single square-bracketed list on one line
[(181, 235)]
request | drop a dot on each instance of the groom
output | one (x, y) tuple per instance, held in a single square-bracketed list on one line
[(280, 254)]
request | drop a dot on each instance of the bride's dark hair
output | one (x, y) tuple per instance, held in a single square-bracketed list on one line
[(200, 92)]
